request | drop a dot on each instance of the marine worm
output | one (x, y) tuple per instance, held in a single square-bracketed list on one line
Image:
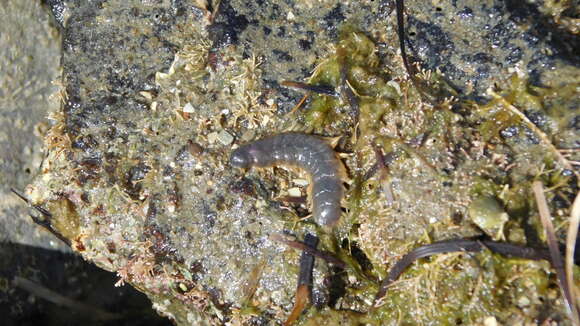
[(307, 152)]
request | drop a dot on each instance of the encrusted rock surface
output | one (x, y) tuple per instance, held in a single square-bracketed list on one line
[(157, 93)]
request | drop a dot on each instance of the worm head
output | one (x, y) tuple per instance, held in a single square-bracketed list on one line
[(241, 158)]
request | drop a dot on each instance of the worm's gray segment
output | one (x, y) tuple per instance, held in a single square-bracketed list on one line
[(326, 209), (306, 152)]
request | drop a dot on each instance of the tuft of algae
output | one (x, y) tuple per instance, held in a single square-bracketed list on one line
[(198, 240)]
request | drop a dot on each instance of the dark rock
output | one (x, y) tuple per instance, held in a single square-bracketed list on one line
[(477, 44)]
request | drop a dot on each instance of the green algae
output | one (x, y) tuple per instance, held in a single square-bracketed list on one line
[(462, 289)]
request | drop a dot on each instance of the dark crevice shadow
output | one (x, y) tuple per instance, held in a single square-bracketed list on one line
[(46, 287)]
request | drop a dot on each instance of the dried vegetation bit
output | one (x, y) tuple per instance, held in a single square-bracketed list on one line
[(556, 256), (230, 97), (250, 105), (195, 55), (57, 140), (197, 298), (185, 288), (139, 268)]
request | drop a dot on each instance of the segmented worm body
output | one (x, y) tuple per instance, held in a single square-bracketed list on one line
[(306, 152)]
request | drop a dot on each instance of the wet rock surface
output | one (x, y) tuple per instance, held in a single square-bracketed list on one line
[(157, 95), (476, 44), (41, 280)]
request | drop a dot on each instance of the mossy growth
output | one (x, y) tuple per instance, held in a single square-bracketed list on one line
[(470, 156)]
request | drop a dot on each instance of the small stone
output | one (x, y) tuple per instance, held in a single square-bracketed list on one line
[(171, 208), (260, 203), (523, 301), (490, 321), (294, 192), (212, 137), (146, 95), (301, 182), (509, 132), (225, 138), (194, 148), (188, 108)]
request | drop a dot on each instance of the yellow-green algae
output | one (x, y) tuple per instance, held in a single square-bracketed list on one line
[(440, 161)]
